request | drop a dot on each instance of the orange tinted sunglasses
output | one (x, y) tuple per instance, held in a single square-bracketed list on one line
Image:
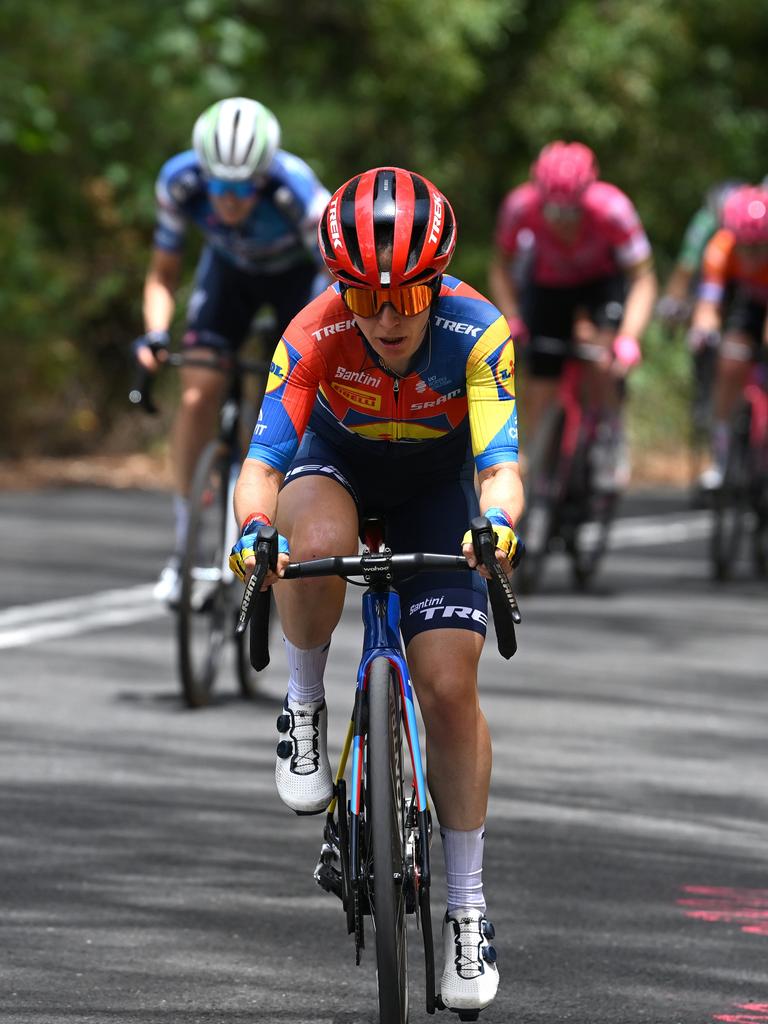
[(408, 300)]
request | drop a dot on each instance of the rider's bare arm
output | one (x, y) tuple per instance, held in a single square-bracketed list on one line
[(503, 291), (160, 287), (500, 487), (256, 490), (706, 315), (641, 299), (679, 283), (256, 493)]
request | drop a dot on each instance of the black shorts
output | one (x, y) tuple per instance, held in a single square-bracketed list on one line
[(745, 314), (549, 314), (422, 514), (225, 300)]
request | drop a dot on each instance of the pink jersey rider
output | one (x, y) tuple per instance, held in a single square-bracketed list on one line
[(610, 238)]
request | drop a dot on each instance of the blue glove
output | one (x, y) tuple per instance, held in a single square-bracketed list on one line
[(154, 340), (246, 546), (506, 538)]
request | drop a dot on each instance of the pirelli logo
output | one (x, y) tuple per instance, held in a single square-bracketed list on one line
[(362, 399)]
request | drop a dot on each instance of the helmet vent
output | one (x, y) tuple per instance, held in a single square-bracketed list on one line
[(448, 232), (420, 222), (348, 226), (234, 137)]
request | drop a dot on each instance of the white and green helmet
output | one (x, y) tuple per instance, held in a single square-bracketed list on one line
[(236, 139)]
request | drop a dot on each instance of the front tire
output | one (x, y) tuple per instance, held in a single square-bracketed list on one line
[(543, 489), (387, 837), (732, 501), (205, 604)]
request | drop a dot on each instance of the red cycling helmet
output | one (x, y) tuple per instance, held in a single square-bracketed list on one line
[(563, 170), (745, 214), (387, 208)]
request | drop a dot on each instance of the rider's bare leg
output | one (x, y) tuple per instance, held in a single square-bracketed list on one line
[(202, 392), (540, 394), (733, 364), (444, 666), (443, 663), (319, 518)]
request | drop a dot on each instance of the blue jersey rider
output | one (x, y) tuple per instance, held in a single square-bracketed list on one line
[(257, 208)]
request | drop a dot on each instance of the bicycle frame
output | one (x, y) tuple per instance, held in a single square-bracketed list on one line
[(345, 838), (756, 396), (381, 622), (573, 408)]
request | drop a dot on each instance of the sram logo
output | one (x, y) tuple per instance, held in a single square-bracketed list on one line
[(437, 401), (362, 399), (458, 611)]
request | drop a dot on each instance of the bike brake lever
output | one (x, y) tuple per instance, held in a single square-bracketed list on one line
[(266, 559), (141, 392), (484, 543)]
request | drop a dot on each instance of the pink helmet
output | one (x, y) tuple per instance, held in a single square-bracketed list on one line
[(745, 214), (563, 170)]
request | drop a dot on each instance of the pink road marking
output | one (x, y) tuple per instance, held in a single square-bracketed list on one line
[(745, 907), (757, 1014)]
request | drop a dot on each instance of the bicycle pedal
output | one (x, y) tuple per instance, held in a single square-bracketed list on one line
[(328, 878)]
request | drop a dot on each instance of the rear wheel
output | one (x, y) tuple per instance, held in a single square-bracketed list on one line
[(596, 516), (387, 836), (543, 488), (206, 601), (731, 507)]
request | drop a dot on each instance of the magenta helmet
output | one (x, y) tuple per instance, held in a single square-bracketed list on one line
[(745, 214), (563, 170)]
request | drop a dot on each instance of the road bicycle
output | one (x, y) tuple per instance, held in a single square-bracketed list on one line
[(375, 854), (566, 508), (208, 605), (740, 505), (704, 368)]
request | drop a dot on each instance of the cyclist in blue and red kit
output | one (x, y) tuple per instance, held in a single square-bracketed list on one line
[(257, 208), (386, 394)]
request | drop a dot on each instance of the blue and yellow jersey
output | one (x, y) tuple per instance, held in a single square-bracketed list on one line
[(325, 375), (279, 233)]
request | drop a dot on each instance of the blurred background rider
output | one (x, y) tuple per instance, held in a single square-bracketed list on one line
[(257, 208), (732, 310), (573, 262)]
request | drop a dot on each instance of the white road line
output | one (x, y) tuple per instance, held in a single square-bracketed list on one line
[(642, 531), (70, 616)]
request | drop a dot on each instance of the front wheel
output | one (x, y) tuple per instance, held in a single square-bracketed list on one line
[(205, 604), (731, 506), (543, 490), (387, 838)]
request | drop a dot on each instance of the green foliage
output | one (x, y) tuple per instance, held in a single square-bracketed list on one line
[(95, 97)]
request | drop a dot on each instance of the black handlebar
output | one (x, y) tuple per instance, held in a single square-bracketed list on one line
[(141, 394), (377, 568)]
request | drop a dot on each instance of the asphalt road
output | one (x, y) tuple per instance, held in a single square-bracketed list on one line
[(149, 873)]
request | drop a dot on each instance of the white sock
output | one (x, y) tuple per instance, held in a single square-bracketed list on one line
[(464, 867), (306, 668), (181, 516)]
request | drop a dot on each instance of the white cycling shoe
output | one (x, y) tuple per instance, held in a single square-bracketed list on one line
[(470, 975), (302, 769), (168, 586)]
